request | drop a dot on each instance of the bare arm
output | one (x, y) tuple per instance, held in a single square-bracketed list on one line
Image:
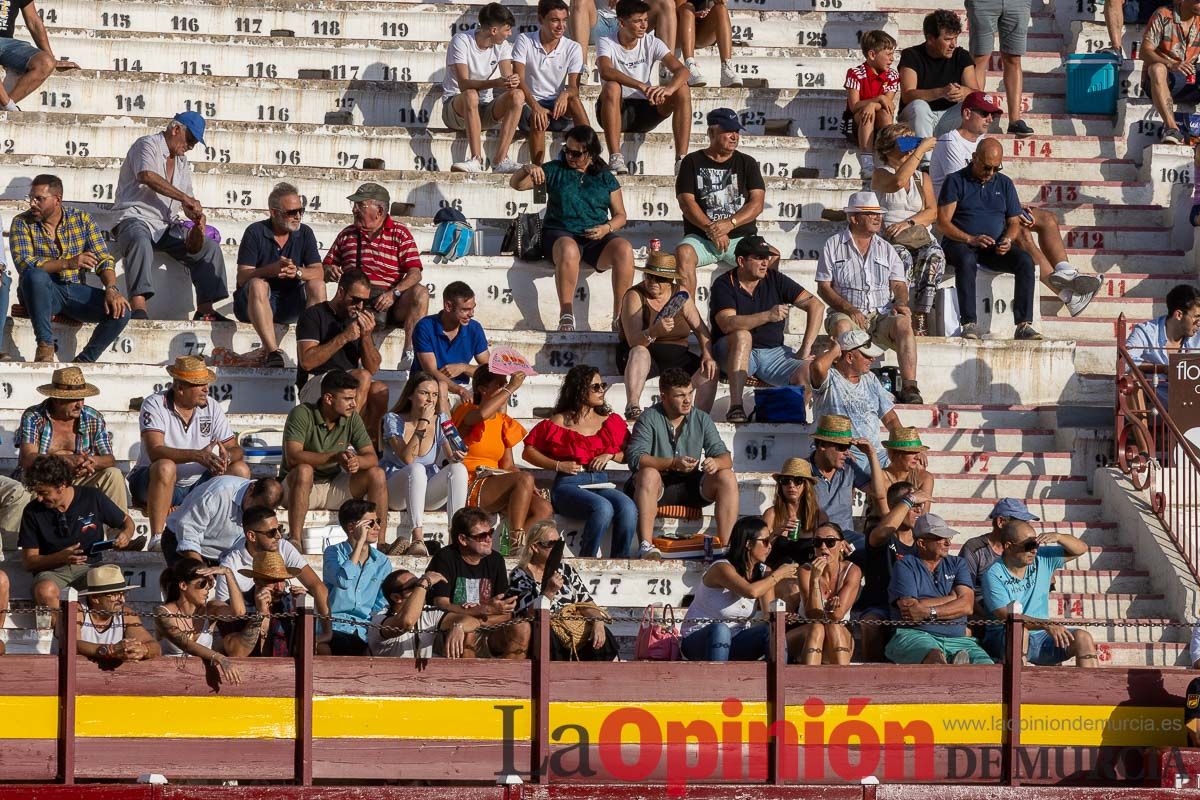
[(724, 576), (818, 371), (814, 311)]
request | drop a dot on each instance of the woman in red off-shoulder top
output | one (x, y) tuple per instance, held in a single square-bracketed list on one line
[(578, 441)]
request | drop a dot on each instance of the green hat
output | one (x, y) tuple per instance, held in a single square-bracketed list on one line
[(371, 191), (835, 429)]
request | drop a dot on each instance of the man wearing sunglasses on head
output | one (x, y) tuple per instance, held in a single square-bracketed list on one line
[(279, 271)]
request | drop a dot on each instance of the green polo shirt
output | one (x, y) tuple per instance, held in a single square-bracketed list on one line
[(306, 425), (653, 436)]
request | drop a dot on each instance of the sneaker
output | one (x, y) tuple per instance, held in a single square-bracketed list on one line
[(407, 360), (961, 657), (910, 396), (616, 162), (970, 330), (1020, 129), (155, 545), (1077, 302), (1171, 136), (1026, 333), (1086, 283), (695, 78), (506, 167), (648, 552), (470, 165), (729, 76), (1060, 279), (275, 360)]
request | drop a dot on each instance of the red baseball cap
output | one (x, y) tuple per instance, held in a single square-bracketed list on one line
[(977, 101)]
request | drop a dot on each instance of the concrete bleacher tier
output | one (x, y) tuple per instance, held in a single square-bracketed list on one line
[(306, 91)]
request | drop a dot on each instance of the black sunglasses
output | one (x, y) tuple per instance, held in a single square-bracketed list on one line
[(788, 480), (829, 541), (1029, 545), (599, 387), (357, 301), (479, 537), (546, 544), (570, 152), (270, 533), (204, 583), (294, 213)]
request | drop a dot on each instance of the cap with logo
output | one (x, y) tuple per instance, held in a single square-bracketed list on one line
[(753, 246), (977, 101), (726, 119), (1012, 508)]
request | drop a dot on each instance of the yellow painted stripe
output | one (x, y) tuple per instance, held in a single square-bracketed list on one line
[(106, 717), (948, 723), (1093, 726), (418, 718), (591, 716), (28, 717)]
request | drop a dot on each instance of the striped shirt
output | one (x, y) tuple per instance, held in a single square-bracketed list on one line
[(76, 233), (383, 257), (91, 434), (863, 280)]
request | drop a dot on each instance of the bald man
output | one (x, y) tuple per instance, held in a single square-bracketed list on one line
[(979, 215)]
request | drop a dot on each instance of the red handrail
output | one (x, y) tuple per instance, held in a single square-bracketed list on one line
[(1155, 454)]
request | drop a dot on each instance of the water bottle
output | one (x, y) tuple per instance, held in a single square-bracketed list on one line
[(504, 543)]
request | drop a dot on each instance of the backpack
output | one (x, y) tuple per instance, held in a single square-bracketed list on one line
[(780, 404), (453, 237)]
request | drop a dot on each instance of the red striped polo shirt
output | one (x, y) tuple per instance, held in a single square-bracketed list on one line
[(384, 256)]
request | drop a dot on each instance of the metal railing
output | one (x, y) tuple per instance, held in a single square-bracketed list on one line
[(1155, 454)]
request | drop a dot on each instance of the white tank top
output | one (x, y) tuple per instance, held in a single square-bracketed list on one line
[(902, 203), (718, 603), (204, 638), (112, 635)]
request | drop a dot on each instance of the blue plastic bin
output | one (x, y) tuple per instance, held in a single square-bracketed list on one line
[(1092, 84)]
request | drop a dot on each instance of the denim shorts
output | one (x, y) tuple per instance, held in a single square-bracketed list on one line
[(15, 54), (773, 365), (1043, 652), (139, 487), (286, 306)]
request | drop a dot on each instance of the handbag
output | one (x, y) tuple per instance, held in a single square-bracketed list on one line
[(658, 636), (914, 237), (524, 237), (780, 404), (569, 625)]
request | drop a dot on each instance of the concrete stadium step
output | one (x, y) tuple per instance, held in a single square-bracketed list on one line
[(1105, 307), (1111, 605), (1078, 579), (1120, 285)]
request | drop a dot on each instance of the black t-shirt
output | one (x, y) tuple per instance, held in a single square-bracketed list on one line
[(720, 188), (772, 290), (876, 567), (466, 584), (320, 324), (10, 9), (82, 523), (1191, 707), (934, 73)]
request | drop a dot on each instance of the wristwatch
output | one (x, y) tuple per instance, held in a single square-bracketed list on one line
[(933, 614), (397, 292)]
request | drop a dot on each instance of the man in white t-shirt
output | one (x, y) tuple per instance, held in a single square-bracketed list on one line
[(477, 62), (629, 102), (954, 150), (548, 66), (186, 440), (262, 534), (598, 18)]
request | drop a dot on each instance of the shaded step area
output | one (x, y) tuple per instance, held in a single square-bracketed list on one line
[(435, 149)]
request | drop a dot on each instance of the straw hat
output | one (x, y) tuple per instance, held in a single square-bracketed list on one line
[(193, 370), (269, 566), (68, 384), (105, 579), (796, 468), (660, 265), (835, 429), (905, 440)]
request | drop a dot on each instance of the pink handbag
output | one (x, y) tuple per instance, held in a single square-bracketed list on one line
[(658, 635)]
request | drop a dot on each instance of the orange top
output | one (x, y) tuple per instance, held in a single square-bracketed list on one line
[(489, 439)]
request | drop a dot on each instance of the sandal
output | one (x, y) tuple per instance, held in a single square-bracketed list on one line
[(418, 549), (736, 414), (566, 323), (632, 413)]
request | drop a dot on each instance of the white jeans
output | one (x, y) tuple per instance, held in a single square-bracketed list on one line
[(410, 488)]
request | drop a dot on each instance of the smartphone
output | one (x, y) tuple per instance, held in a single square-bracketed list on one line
[(99, 547)]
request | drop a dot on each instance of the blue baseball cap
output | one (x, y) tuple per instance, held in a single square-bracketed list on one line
[(194, 124), (1012, 508), (726, 119)]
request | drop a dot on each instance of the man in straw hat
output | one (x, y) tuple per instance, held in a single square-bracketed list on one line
[(863, 280), (843, 384), (651, 342), (64, 425), (109, 631), (721, 193), (749, 307), (61, 525), (837, 475), (677, 458), (186, 440), (267, 633)]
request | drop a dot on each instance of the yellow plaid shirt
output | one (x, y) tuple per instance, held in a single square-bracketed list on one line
[(31, 246)]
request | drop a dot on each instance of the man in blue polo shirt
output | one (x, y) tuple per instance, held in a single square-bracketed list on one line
[(979, 215), (1151, 343), (447, 342), (749, 307), (279, 271)]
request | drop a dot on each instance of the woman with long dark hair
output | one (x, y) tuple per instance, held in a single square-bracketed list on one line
[(578, 441), (584, 210), (424, 471), (827, 589), (182, 628), (731, 592)]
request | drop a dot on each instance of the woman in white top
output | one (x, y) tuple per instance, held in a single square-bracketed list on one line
[(424, 471), (188, 632), (828, 588), (909, 205), (107, 630), (732, 590)]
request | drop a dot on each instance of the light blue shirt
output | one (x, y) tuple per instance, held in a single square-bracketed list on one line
[(866, 403), (209, 521), (355, 592), (1147, 344), (1001, 587)]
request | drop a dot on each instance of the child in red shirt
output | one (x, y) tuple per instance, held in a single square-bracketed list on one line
[(871, 89)]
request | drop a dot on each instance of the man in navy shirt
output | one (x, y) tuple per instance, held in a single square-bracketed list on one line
[(446, 342), (279, 271), (979, 215), (934, 592), (749, 307)]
